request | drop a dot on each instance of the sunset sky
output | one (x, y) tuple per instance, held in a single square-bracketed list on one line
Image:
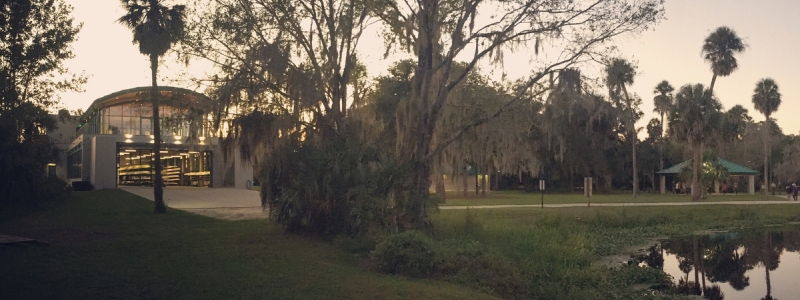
[(670, 51)]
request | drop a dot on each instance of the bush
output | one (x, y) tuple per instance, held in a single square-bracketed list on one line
[(334, 186), (410, 253), (54, 189), (466, 262), (82, 186), (474, 264)]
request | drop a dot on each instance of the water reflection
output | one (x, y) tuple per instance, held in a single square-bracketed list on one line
[(730, 265)]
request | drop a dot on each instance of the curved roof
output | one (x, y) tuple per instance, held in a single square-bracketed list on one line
[(99, 101)]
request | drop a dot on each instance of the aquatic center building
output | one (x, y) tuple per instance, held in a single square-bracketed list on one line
[(112, 144)]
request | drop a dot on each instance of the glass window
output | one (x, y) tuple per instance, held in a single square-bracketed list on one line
[(115, 110), (164, 111), (75, 162), (126, 110), (145, 110), (129, 127), (105, 126), (114, 124), (147, 126), (135, 110)]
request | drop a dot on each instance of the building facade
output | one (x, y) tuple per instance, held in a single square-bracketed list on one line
[(113, 143)]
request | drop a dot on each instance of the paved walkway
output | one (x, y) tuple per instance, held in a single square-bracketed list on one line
[(221, 203), (626, 204), (242, 204)]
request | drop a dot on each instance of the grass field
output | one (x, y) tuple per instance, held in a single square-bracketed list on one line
[(109, 245), (524, 198)]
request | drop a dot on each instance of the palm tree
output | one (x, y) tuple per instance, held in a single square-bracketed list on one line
[(663, 103), (766, 99), (619, 74), (155, 28), (719, 48), (694, 118)]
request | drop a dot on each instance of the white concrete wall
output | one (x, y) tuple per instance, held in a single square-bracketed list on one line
[(86, 169), (62, 136), (104, 162), (243, 171), (217, 168)]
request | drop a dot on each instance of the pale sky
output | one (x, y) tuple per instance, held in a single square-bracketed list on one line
[(670, 51)]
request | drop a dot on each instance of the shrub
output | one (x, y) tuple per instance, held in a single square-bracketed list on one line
[(53, 189), (465, 262), (475, 264), (334, 186), (410, 253)]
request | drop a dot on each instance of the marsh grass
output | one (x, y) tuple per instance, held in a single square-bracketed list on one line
[(556, 249)]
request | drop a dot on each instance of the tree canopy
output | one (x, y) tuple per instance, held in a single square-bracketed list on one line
[(36, 40)]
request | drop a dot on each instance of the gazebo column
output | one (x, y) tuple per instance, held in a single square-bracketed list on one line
[(751, 188), (716, 186), (663, 184)]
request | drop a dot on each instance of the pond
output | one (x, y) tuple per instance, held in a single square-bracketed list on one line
[(753, 264)]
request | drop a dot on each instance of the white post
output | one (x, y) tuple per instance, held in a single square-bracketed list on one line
[(716, 187), (663, 184), (752, 186)]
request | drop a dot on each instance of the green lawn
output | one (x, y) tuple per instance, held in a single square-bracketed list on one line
[(523, 198), (109, 245)]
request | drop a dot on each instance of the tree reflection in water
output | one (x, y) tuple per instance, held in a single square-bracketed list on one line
[(722, 258)]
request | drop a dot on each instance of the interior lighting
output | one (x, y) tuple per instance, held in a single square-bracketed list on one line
[(178, 137), (152, 136), (193, 152), (130, 150), (184, 153), (51, 164), (128, 136), (152, 141), (202, 138), (177, 142), (163, 151), (124, 153), (128, 141)]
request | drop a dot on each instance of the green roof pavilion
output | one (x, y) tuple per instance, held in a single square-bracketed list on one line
[(733, 169)]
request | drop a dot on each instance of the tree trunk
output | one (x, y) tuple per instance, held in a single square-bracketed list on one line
[(661, 145), (440, 190), (713, 80), (422, 182), (464, 180), (484, 184), (767, 264), (477, 181), (696, 165), (458, 184), (766, 155), (158, 189), (635, 171), (653, 181), (696, 264)]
